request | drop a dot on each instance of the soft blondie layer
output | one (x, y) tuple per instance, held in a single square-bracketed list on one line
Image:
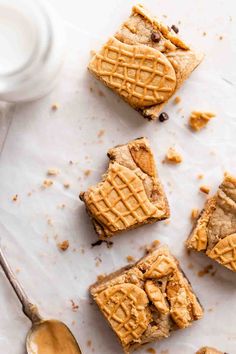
[(145, 62), (148, 300), (209, 350), (130, 194), (215, 230)]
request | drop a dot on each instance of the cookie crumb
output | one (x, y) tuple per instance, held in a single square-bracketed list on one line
[(177, 100), (55, 106), (220, 38), (87, 173), (53, 172), (173, 157), (66, 185), (194, 214), (47, 183), (205, 270), (200, 176), (64, 245), (15, 198), (190, 266), (198, 120), (101, 93), (74, 306), (100, 133), (89, 343), (152, 246), (130, 259), (204, 34), (205, 189)]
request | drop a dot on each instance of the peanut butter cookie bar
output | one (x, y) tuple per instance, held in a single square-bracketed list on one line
[(145, 62), (215, 230), (148, 300), (208, 350), (130, 194)]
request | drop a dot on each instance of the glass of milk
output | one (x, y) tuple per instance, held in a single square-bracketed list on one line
[(32, 42)]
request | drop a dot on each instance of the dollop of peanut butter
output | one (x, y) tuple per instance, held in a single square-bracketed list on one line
[(52, 337)]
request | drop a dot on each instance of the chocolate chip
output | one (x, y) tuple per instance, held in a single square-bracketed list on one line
[(163, 117), (155, 37), (175, 28)]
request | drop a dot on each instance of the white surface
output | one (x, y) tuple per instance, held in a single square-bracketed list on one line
[(40, 139)]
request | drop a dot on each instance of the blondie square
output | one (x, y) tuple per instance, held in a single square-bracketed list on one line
[(145, 62), (215, 230), (130, 193), (148, 300)]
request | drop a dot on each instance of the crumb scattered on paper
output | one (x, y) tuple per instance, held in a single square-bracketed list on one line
[(89, 343), (198, 120), (64, 245), (152, 246), (87, 173), (220, 38), (15, 198), (205, 189), (205, 270), (200, 176), (55, 106), (204, 34), (101, 133), (74, 306), (173, 157), (53, 172), (47, 183), (66, 185), (177, 100)]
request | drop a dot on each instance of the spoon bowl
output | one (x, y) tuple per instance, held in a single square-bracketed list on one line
[(51, 337)]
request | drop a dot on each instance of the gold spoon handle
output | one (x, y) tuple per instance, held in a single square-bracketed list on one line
[(29, 309)]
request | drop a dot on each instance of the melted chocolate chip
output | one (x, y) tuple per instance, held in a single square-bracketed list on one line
[(175, 28), (163, 117), (155, 37)]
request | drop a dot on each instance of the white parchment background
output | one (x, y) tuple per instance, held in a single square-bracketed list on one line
[(40, 138)]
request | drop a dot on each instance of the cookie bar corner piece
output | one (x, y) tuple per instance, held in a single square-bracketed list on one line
[(145, 62), (215, 230), (130, 193), (147, 300)]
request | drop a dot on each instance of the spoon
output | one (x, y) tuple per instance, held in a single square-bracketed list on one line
[(45, 336)]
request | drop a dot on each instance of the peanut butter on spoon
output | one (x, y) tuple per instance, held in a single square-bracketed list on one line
[(45, 336)]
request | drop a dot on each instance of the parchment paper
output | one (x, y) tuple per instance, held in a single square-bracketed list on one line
[(74, 139)]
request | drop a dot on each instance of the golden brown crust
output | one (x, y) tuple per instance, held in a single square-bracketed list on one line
[(135, 35), (215, 230), (172, 303), (130, 193)]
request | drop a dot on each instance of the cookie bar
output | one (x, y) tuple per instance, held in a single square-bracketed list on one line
[(130, 194), (215, 230), (145, 62), (148, 300), (208, 350)]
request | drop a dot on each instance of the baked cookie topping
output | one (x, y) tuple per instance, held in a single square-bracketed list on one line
[(141, 305), (198, 120), (130, 193), (145, 62), (215, 229)]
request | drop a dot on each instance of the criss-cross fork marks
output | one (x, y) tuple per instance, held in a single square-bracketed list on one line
[(136, 73), (225, 252), (122, 202), (118, 308)]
